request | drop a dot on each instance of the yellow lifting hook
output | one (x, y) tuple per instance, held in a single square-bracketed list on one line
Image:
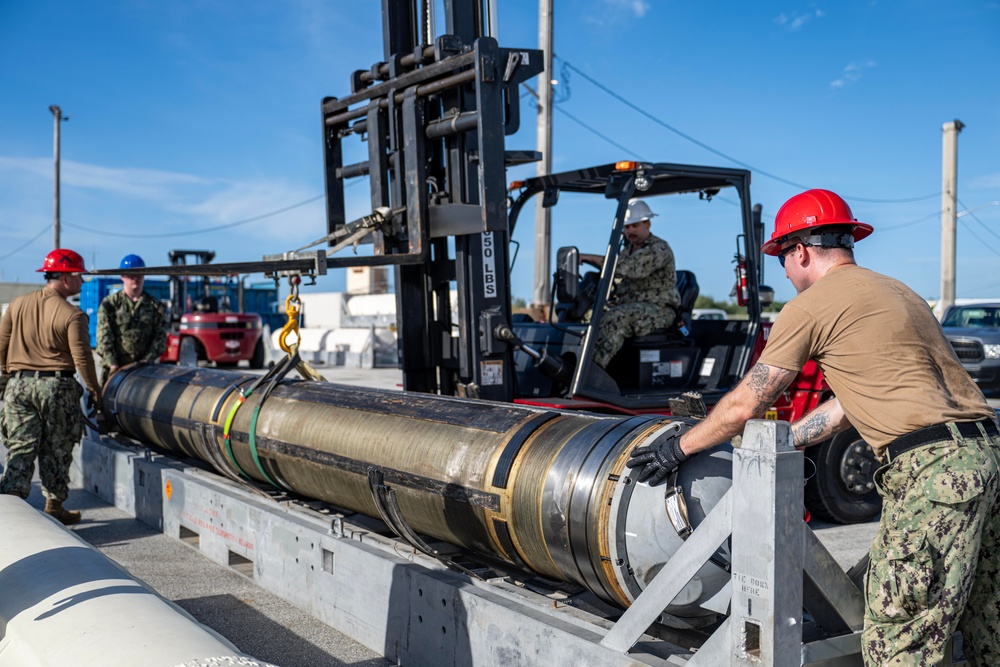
[(292, 304)]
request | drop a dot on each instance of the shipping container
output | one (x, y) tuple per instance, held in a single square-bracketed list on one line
[(259, 298)]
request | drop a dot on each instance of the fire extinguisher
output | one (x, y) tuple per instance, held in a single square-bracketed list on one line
[(741, 290)]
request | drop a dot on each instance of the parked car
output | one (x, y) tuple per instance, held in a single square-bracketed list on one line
[(709, 314), (974, 332)]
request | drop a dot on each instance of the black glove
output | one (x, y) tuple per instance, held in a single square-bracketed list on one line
[(92, 406), (101, 423), (4, 379), (659, 459)]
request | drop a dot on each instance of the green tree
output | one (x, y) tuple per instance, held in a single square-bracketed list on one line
[(705, 301)]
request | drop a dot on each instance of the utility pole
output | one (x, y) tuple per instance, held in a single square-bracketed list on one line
[(58, 117), (543, 216), (949, 197)]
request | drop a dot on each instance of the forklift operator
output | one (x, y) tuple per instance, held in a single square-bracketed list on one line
[(645, 294), (935, 560)]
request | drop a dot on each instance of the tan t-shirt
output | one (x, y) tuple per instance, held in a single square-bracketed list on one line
[(41, 331), (882, 352)]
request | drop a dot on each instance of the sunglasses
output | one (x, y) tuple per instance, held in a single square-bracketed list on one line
[(785, 251)]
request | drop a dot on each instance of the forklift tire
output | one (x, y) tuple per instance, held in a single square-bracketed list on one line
[(842, 490), (187, 353), (257, 360)]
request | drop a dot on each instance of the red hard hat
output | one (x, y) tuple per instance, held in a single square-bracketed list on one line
[(809, 210), (63, 260)]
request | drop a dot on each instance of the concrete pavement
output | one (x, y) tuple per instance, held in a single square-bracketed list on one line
[(254, 620)]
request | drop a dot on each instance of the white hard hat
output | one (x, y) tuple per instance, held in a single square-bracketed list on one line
[(638, 211)]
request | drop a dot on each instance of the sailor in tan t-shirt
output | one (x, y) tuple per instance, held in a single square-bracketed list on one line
[(935, 558), (42, 338)]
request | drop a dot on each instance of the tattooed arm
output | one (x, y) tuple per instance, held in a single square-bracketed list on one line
[(751, 398), (820, 424)]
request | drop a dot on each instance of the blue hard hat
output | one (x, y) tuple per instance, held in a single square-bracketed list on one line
[(132, 262)]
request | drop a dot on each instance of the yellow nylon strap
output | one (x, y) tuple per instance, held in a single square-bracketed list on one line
[(226, 438)]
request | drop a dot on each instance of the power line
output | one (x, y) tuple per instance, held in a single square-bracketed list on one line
[(732, 202), (908, 224), (985, 287), (597, 132), (969, 212), (103, 232), (710, 149), (29, 242), (555, 105), (968, 228), (983, 243), (630, 152), (718, 197)]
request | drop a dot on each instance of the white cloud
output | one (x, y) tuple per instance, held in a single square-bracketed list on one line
[(174, 201), (852, 72), (795, 21), (139, 183), (244, 200), (636, 7)]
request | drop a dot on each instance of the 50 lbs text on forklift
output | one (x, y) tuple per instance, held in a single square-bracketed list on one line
[(489, 266)]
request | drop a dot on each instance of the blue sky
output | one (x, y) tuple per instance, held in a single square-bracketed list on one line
[(187, 116)]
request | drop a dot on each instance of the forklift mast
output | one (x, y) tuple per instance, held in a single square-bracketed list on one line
[(435, 115), (179, 292)]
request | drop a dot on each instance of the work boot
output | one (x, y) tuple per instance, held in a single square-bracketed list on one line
[(55, 509)]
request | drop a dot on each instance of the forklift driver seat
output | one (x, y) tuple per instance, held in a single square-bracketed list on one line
[(635, 368), (687, 287)]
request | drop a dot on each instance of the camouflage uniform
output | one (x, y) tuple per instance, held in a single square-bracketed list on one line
[(43, 344), (41, 418), (644, 297), (935, 561), (128, 332)]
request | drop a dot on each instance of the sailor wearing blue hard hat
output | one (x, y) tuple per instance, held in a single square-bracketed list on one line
[(131, 262), (131, 325)]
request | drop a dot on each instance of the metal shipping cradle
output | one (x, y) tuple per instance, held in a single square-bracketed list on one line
[(356, 576)]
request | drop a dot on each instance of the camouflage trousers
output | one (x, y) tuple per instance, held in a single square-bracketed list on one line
[(42, 419), (624, 321), (935, 561)]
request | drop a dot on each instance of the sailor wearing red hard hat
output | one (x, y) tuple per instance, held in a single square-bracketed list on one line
[(895, 378), (44, 340)]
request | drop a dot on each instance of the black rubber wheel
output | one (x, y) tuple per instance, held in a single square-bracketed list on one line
[(843, 488), (187, 353), (257, 360)]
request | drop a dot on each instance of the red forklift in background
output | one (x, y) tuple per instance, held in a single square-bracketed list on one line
[(203, 326)]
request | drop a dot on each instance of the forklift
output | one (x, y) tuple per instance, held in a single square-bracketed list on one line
[(652, 373), (203, 326), (434, 116), (705, 356)]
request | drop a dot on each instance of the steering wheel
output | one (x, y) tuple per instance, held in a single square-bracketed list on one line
[(585, 297)]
